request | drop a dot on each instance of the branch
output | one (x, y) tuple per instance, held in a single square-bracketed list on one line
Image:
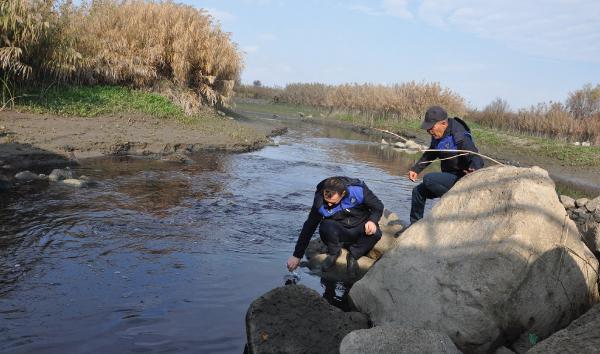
[(394, 134)]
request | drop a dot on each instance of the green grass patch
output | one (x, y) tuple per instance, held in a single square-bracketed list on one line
[(93, 101), (276, 108)]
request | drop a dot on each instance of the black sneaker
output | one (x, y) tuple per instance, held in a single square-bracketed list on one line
[(330, 261), (351, 265)]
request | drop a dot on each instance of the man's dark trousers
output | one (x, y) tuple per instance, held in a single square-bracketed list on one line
[(434, 185), (334, 235)]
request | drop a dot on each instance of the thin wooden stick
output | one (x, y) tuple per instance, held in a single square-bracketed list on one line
[(446, 150), (394, 134), (446, 158), (465, 151)]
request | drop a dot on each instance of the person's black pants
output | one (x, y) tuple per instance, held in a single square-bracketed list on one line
[(434, 185), (336, 236)]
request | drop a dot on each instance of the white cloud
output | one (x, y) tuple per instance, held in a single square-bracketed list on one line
[(221, 16), (563, 29)]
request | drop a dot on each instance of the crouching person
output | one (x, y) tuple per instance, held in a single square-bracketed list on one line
[(447, 134), (348, 214)]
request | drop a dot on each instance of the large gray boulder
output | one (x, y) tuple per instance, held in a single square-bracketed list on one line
[(497, 259), (296, 319), (580, 337), (396, 339)]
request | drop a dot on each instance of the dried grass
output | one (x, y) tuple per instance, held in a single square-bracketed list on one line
[(133, 42), (390, 103)]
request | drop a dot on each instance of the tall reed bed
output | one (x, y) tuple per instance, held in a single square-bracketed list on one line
[(405, 101), (136, 43), (578, 119)]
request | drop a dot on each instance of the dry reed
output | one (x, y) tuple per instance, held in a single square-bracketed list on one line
[(132, 42)]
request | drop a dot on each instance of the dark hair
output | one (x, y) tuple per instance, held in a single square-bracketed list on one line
[(333, 185)]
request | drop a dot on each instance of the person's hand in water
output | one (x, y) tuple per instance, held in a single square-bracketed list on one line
[(293, 263), (412, 175), (370, 228)]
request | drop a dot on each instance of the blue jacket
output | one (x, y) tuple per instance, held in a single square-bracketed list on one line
[(358, 206), (456, 137)]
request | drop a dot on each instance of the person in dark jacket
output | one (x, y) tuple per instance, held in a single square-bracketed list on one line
[(348, 214), (446, 134)]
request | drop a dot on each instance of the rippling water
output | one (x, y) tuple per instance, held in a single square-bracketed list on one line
[(163, 257)]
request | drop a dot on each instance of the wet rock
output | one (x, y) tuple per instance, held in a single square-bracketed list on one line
[(26, 176), (7, 167), (399, 145), (58, 174), (567, 201), (503, 350), (485, 264), (277, 132), (77, 183), (593, 205), (42, 177), (296, 319), (581, 336), (396, 339), (581, 202), (412, 145)]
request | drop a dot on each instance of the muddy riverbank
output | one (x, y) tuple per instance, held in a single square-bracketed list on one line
[(30, 140)]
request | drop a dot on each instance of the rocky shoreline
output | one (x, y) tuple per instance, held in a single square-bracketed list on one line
[(498, 266)]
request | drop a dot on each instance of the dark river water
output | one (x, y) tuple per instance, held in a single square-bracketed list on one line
[(162, 257)]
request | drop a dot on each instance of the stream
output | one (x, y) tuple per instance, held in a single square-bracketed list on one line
[(165, 257)]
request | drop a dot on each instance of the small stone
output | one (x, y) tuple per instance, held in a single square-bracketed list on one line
[(301, 114), (581, 202), (74, 182), (567, 201), (7, 167), (26, 176), (58, 174), (586, 143), (412, 145), (399, 144), (593, 204), (42, 177)]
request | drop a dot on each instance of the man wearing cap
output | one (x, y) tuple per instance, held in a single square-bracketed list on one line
[(446, 134)]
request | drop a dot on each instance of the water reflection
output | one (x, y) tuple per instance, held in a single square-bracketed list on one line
[(165, 256)]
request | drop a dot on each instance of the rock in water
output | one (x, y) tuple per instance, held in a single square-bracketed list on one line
[(396, 339), (26, 176), (496, 259), (58, 174), (296, 319), (582, 336)]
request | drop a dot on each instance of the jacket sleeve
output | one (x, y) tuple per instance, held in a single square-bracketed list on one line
[(427, 156), (464, 142), (374, 204), (308, 229)]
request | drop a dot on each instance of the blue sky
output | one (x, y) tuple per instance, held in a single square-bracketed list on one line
[(522, 51)]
